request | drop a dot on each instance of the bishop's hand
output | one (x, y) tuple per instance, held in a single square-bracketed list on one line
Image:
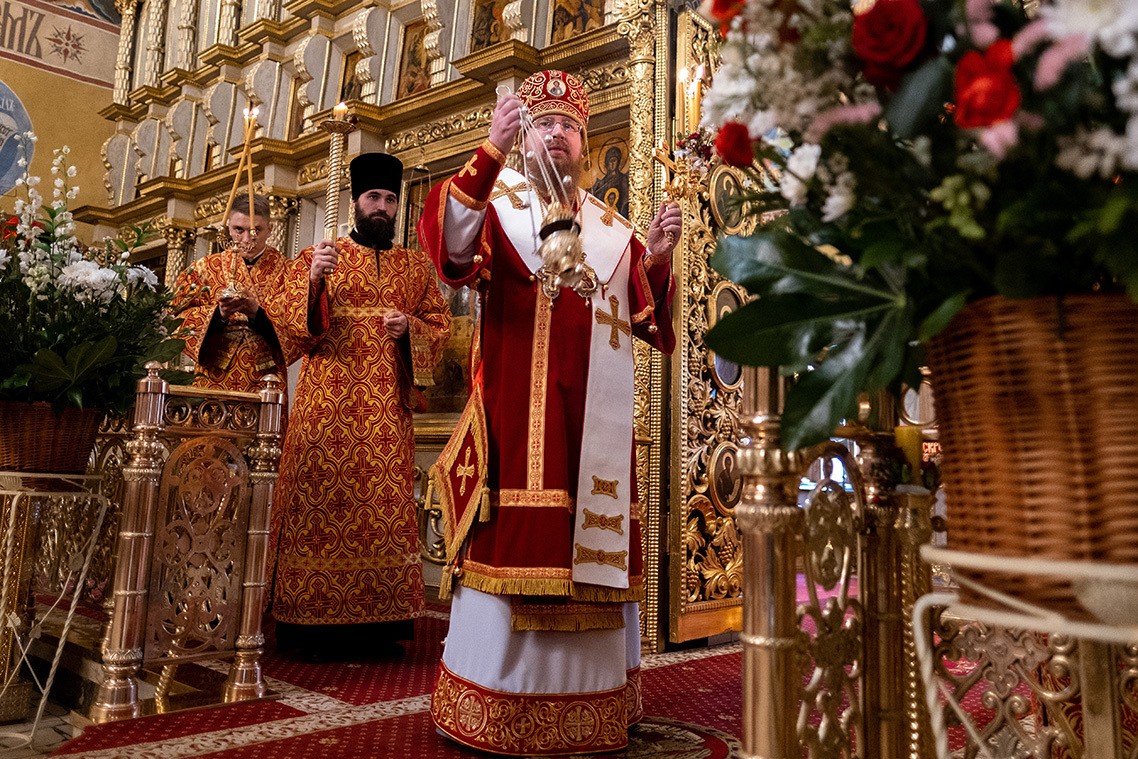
[(664, 230), (324, 259), (506, 122)]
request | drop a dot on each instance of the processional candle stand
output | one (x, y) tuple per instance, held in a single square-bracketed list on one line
[(337, 128), (232, 289)]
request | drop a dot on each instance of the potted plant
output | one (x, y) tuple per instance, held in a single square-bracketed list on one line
[(960, 181), (77, 324)]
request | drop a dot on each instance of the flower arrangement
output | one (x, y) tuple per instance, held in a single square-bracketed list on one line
[(940, 152), (77, 324)]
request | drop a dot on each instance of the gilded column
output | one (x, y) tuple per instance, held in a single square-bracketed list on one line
[(187, 42), (245, 681), (129, 11), (117, 696), (228, 21), (879, 461), (637, 22), (914, 529), (281, 210), (155, 42), (771, 521), (178, 243)]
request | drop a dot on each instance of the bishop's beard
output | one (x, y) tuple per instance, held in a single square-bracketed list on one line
[(562, 167), (377, 230)]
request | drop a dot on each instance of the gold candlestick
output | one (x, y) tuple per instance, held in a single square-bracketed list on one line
[(337, 128), (245, 163)]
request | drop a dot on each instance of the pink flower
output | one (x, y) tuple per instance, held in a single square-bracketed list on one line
[(1058, 57), (844, 114), (1000, 138), (1029, 38), (979, 26)]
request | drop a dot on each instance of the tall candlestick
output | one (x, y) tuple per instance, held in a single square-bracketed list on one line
[(337, 128)]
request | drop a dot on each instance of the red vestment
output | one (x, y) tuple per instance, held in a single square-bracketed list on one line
[(534, 371), (232, 355), (348, 548)]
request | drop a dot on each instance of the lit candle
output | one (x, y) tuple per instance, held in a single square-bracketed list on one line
[(250, 130), (910, 439), (340, 111)]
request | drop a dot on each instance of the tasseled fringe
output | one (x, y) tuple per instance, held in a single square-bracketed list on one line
[(515, 586), (484, 507), (593, 620), (429, 493), (445, 582), (598, 594)]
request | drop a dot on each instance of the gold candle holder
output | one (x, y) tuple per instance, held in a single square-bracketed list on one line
[(337, 128), (245, 163)]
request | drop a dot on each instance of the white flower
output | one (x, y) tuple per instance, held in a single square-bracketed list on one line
[(5, 257), (142, 275), (1112, 23), (1086, 154), (840, 198), (71, 171)]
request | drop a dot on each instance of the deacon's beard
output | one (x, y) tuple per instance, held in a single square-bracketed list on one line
[(377, 228)]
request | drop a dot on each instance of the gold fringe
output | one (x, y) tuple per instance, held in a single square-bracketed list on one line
[(445, 582), (604, 620), (598, 594), (484, 507), (515, 586)]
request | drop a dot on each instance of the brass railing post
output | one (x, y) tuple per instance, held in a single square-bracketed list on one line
[(880, 589), (117, 697), (1102, 728), (245, 680), (914, 529), (771, 521)]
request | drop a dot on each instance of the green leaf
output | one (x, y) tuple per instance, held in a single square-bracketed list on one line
[(821, 398), (778, 262), (938, 320), (921, 97), (783, 329)]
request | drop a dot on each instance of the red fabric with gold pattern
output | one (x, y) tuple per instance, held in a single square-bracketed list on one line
[(526, 548), (555, 92), (537, 724), (237, 357), (349, 541)]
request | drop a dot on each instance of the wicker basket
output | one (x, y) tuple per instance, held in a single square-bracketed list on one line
[(33, 438), (1037, 407)]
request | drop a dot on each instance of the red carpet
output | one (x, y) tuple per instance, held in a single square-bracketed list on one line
[(379, 709)]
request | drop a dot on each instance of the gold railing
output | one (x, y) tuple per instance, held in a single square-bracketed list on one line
[(191, 564)]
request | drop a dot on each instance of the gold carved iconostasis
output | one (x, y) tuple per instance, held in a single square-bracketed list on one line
[(419, 81)]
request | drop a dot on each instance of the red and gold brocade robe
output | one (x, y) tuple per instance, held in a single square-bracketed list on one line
[(526, 549), (237, 354), (348, 548)]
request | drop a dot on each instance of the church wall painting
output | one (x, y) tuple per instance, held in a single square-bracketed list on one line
[(570, 18), (413, 74), (487, 26), (608, 154)]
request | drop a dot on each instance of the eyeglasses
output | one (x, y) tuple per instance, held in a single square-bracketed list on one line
[(547, 124)]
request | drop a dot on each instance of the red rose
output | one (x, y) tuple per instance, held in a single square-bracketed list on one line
[(733, 144), (986, 89), (725, 10), (887, 38)]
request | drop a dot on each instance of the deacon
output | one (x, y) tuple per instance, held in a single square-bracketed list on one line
[(544, 637), (230, 336), (372, 323)]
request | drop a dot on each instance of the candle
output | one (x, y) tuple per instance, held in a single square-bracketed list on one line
[(910, 439), (340, 111), (250, 130)]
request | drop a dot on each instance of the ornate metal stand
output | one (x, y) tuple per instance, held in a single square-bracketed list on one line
[(201, 463), (24, 496)]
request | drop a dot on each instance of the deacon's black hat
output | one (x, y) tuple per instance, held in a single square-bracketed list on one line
[(375, 171)]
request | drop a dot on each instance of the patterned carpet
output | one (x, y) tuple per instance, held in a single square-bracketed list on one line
[(692, 700)]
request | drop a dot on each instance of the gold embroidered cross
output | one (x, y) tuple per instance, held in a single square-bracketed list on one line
[(501, 188), (615, 322), (604, 522), (463, 471), (608, 216), (468, 169)]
